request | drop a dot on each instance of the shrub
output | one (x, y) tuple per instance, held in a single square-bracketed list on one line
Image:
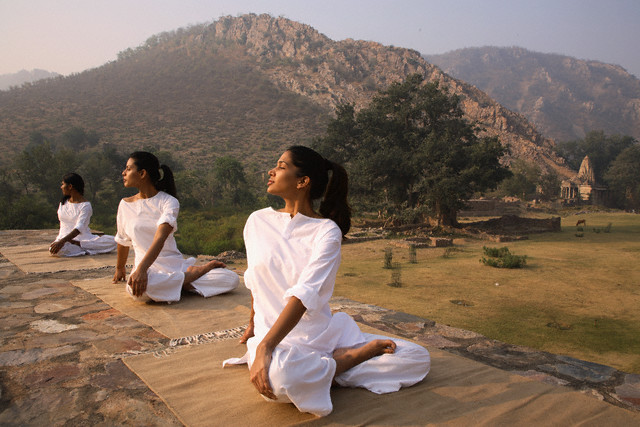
[(412, 254), (496, 252), (502, 258), (388, 257), (395, 276)]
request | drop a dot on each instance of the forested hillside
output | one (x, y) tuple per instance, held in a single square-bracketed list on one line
[(564, 97), (246, 87)]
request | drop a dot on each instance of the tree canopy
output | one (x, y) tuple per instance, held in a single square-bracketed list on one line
[(600, 148), (624, 179), (411, 152)]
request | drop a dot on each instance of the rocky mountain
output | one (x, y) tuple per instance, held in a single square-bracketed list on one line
[(24, 76), (246, 86), (562, 96)]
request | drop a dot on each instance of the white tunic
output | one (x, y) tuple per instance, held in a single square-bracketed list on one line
[(77, 216), (300, 257), (137, 223)]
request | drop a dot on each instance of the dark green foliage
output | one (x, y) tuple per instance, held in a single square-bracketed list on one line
[(601, 149), (502, 258), (624, 179), (549, 185), (412, 149), (210, 232), (495, 252), (523, 181)]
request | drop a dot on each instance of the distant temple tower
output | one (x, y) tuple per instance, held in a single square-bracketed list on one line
[(585, 174), (585, 187)]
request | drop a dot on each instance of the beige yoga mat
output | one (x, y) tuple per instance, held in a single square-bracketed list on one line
[(36, 259), (192, 315), (457, 392)]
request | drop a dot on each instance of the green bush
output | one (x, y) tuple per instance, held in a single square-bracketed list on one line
[(496, 252), (502, 258)]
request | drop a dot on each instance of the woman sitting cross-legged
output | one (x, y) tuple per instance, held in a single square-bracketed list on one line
[(296, 349), (147, 221), (74, 213)]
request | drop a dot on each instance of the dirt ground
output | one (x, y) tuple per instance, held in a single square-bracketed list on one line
[(577, 296)]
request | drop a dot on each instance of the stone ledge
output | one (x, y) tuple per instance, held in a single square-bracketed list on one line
[(604, 382)]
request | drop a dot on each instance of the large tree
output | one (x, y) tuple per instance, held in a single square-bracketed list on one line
[(411, 149), (623, 178)]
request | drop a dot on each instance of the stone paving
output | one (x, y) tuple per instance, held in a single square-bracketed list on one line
[(61, 352)]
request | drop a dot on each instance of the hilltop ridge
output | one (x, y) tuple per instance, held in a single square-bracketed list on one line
[(244, 84), (563, 97)]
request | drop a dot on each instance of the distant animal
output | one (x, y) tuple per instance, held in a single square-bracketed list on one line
[(581, 221)]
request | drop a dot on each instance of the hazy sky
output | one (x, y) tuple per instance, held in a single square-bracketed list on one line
[(69, 36)]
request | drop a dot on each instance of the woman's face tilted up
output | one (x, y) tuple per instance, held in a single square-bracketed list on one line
[(283, 179)]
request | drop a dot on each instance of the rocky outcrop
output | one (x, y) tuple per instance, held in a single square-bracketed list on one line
[(298, 58), (563, 97)]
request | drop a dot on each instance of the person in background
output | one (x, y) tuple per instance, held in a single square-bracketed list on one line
[(147, 222), (296, 348), (74, 213)]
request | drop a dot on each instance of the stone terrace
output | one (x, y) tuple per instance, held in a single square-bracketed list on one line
[(61, 352)]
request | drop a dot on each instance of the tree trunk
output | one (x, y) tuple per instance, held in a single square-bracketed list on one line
[(447, 216)]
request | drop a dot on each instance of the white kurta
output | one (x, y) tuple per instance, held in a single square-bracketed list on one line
[(77, 216), (137, 224), (300, 257)]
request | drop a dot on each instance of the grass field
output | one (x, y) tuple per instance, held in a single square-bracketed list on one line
[(577, 296)]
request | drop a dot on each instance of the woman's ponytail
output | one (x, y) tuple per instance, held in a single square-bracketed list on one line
[(167, 183), (334, 204)]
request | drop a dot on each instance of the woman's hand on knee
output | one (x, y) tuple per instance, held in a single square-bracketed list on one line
[(260, 372), (138, 282)]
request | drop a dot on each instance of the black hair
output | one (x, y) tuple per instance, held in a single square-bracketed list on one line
[(333, 190), (150, 163), (76, 181)]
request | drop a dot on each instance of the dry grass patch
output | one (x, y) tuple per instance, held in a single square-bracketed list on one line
[(576, 296)]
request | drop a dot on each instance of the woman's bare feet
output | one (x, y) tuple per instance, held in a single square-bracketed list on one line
[(196, 271), (347, 358)]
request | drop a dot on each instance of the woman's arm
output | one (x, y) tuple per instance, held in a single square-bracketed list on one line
[(287, 320), (58, 244), (121, 271), (138, 278)]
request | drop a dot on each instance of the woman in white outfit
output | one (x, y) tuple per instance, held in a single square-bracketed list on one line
[(74, 214), (296, 349), (147, 221)]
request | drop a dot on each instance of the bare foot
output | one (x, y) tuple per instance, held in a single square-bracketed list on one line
[(347, 358), (196, 271)]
